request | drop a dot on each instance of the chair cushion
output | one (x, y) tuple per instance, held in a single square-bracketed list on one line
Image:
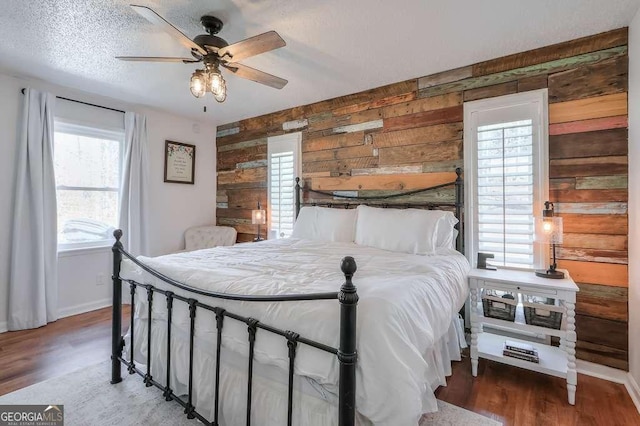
[(201, 237)]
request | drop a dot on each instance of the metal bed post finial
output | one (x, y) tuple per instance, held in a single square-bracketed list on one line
[(459, 185), (347, 355), (297, 197), (117, 342)]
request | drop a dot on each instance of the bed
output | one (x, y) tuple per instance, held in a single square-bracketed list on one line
[(252, 333)]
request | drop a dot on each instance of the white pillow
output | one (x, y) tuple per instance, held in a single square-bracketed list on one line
[(305, 225), (454, 240), (401, 230), (446, 233), (325, 224)]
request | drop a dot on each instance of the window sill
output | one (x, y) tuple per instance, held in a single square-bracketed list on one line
[(514, 268), (80, 251)]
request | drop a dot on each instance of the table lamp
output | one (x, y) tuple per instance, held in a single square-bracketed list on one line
[(258, 217), (549, 231)]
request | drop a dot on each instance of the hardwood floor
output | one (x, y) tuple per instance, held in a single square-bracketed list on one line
[(508, 394), (520, 397), (69, 344)]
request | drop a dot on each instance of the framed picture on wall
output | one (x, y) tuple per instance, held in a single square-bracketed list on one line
[(179, 162)]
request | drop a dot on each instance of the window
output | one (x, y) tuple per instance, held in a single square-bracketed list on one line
[(283, 153), (506, 178), (87, 163)]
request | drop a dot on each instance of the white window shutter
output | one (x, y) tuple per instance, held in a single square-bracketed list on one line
[(283, 153), (282, 196), (505, 193)]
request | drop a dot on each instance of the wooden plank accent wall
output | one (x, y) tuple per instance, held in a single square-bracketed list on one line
[(409, 134)]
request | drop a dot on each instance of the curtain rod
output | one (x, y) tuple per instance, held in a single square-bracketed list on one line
[(84, 103)]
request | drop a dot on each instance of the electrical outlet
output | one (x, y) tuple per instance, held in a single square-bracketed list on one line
[(101, 279)]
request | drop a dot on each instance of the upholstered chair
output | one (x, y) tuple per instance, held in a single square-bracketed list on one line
[(201, 237)]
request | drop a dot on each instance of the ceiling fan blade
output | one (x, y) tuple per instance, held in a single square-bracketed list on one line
[(156, 59), (256, 75), (151, 16), (253, 46)]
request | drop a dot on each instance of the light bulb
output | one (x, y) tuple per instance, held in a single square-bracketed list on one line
[(198, 84), (547, 227)]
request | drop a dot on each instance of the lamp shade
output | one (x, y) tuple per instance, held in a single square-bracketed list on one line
[(220, 97), (216, 82), (198, 83), (549, 230), (258, 217)]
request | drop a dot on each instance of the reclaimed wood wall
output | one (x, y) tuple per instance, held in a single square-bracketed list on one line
[(409, 135)]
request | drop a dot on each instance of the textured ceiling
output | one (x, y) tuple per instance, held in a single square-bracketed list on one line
[(334, 47)]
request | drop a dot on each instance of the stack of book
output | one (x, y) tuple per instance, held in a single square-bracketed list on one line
[(520, 350)]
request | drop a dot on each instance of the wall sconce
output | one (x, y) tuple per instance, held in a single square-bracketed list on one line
[(549, 231), (258, 217)]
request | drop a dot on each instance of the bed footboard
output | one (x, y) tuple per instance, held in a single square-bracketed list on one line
[(346, 352)]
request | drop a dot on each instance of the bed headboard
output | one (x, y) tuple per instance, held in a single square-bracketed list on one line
[(342, 199)]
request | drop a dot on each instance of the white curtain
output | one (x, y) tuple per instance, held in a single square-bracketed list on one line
[(134, 204), (33, 275)]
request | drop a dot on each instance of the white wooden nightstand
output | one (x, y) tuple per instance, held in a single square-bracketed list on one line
[(555, 361)]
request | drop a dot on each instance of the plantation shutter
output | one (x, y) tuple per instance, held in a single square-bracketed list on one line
[(505, 192), (282, 193), (283, 165), (506, 177)]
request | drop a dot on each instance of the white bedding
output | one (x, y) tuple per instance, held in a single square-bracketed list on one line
[(406, 306)]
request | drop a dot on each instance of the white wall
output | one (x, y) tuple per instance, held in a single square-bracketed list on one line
[(634, 198), (174, 207)]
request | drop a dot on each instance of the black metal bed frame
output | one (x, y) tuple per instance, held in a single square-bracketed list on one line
[(347, 298)]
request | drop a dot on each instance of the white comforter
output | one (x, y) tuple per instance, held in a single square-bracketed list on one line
[(406, 305)]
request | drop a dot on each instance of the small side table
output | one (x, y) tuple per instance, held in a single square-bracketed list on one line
[(555, 361)]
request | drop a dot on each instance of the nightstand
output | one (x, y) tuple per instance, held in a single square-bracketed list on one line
[(555, 361)]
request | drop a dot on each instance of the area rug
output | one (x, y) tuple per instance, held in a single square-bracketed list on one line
[(89, 399)]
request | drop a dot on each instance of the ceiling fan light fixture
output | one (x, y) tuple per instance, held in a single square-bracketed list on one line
[(198, 83), (221, 96), (217, 85), (213, 52)]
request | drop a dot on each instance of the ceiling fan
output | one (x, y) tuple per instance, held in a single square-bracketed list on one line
[(214, 52)]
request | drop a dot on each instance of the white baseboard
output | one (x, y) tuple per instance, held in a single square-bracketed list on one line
[(601, 371), (84, 307), (612, 375), (3, 327), (634, 390)]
